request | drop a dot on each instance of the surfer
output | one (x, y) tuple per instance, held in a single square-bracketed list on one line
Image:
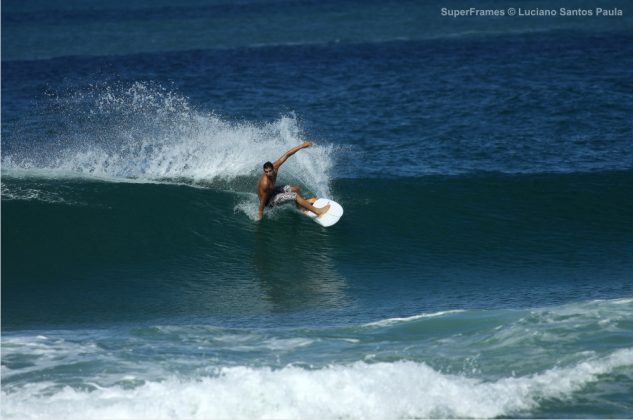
[(270, 196)]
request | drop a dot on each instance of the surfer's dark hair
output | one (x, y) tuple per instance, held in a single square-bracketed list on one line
[(268, 165)]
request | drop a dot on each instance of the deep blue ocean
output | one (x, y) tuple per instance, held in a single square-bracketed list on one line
[(484, 264)]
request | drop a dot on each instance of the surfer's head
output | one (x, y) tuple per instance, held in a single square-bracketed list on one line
[(269, 169)]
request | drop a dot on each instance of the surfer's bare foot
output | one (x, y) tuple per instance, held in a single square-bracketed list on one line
[(323, 210)]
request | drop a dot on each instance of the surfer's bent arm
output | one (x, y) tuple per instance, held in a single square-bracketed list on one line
[(289, 153)]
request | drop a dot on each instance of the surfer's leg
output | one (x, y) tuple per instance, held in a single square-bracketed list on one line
[(297, 190), (306, 205)]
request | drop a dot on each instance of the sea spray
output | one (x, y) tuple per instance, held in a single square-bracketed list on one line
[(144, 132)]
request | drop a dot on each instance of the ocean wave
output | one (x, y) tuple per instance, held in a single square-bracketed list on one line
[(360, 390), (582, 318), (473, 363)]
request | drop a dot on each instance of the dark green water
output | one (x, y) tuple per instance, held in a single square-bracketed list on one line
[(479, 241)]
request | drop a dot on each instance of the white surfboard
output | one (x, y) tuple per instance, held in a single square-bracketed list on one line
[(332, 216)]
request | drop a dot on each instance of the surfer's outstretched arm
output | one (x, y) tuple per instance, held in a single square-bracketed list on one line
[(289, 153), (260, 212)]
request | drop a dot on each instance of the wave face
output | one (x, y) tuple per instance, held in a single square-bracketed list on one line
[(544, 362), (556, 236)]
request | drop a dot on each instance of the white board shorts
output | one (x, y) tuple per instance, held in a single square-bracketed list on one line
[(282, 195)]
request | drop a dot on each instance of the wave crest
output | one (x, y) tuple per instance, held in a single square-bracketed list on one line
[(361, 390)]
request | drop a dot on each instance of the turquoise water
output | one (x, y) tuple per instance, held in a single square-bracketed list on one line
[(482, 268)]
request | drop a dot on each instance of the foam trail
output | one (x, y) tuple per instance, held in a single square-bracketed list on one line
[(17, 193), (144, 132), (381, 390)]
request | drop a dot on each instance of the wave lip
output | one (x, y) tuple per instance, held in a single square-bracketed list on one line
[(360, 390)]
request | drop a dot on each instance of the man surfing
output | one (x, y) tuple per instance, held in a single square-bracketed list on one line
[(271, 196)]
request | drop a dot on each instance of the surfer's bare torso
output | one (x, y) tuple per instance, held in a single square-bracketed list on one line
[(266, 185)]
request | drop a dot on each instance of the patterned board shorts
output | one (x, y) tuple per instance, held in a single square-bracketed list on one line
[(282, 195)]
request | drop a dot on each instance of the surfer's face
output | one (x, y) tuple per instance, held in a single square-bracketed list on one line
[(269, 172)]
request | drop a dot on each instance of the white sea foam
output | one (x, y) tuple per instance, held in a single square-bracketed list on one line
[(44, 353), (392, 321), (621, 301), (146, 133), (360, 390)]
